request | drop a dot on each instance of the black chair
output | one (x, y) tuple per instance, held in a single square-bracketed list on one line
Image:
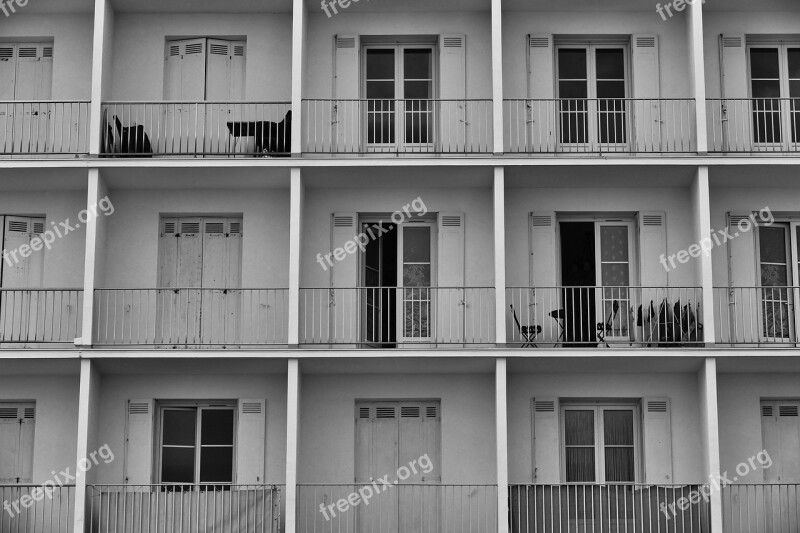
[(528, 333), (604, 329)]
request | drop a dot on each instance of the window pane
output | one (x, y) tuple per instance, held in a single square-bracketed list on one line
[(380, 64), (618, 427), (612, 89), (610, 64), (179, 427), (416, 245), (416, 275), (572, 89), (764, 63), (417, 64), (794, 62), (578, 428), (580, 465), (766, 89), (417, 89), (614, 243), (572, 64), (619, 465), (177, 465), (216, 465), (380, 89), (772, 244), (216, 426)]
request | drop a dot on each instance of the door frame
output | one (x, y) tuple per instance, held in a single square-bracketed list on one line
[(790, 243)]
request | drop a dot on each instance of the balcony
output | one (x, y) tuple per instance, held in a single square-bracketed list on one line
[(422, 508), (642, 317), (394, 127), (754, 125), (197, 129), (596, 508), (600, 126), (191, 317), (396, 317), (756, 316), (40, 317), (55, 128), (184, 508), (33, 508), (761, 508)]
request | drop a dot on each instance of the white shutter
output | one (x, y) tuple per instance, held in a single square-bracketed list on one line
[(652, 246), (376, 439), (541, 111), (419, 434), (185, 74), (733, 62), (742, 253), (173, 58), (738, 319), (780, 425), (347, 83), (27, 430), (251, 436), (17, 422), (546, 452), (8, 72), (34, 77), (542, 260), (166, 311), (657, 441), (647, 85), (27, 272), (453, 86), (450, 276), (344, 280), (139, 442)]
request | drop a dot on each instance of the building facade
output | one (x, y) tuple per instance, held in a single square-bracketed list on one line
[(465, 266)]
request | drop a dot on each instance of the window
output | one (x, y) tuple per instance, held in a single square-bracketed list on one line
[(197, 444), (780, 426), (16, 442), (592, 87), (204, 69), (399, 75), (600, 443), (775, 89)]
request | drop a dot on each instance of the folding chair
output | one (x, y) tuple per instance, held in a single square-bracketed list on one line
[(605, 328), (528, 333)]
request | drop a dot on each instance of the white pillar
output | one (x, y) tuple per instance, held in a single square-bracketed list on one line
[(93, 253), (292, 441), (501, 425), (299, 25), (701, 206), (497, 75), (707, 383), (500, 255), (697, 78), (101, 69), (88, 401), (295, 243)]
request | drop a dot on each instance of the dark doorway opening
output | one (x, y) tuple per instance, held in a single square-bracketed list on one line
[(578, 270), (379, 298)]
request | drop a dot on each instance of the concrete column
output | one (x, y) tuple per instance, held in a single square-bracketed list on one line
[(93, 253), (292, 441), (707, 384), (101, 69), (88, 406), (500, 254), (497, 75), (295, 246), (501, 426), (299, 26), (694, 31), (701, 207)]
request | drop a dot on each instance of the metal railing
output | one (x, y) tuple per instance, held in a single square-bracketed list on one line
[(761, 508), (44, 127), (45, 509), (756, 315), (611, 508), (145, 129), (763, 125), (397, 316), (40, 315), (600, 125), (421, 508), (204, 508), (546, 317), (191, 317), (397, 126)]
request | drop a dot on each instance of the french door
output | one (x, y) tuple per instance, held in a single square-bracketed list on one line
[(775, 96), (614, 252), (399, 89), (592, 88), (778, 272)]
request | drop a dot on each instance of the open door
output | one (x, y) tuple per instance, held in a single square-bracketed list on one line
[(415, 276), (776, 310)]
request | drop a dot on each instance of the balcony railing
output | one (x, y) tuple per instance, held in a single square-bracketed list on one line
[(184, 317), (44, 127), (374, 317), (396, 126), (613, 508), (40, 316), (49, 509), (600, 126), (234, 129), (762, 125), (184, 508), (429, 508), (761, 508), (756, 315), (547, 317)]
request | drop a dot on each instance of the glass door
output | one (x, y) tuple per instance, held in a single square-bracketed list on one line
[(415, 265), (775, 96), (776, 307), (614, 307)]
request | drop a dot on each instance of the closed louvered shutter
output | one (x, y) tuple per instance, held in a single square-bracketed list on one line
[(540, 111), (780, 426), (453, 118), (17, 422), (250, 442), (450, 276), (139, 443), (346, 113), (657, 432), (546, 440), (647, 85)]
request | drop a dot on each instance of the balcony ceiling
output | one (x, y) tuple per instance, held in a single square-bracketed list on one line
[(58, 6), (202, 6), (750, 5), (404, 6)]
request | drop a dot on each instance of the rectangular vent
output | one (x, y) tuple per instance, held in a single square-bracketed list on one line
[(545, 406), (787, 410), (8, 413), (47, 51), (453, 42), (731, 42), (766, 410), (38, 228), (645, 42), (251, 408), (363, 412), (658, 406), (541, 221), (174, 50), (27, 52), (735, 219), (451, 221), (385, 412), (194, 48), (6, 52), (539, 42), (408, 411), (30, 413), (236, 227), (431, 411), (238, 50), (190, 227), (345, 221), (18, 225), (215, 227), (169, 227), (652, 220), (345, 42), (219, 49), (138, 408)]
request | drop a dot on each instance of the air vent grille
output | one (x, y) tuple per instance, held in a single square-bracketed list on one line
[(238, 50), (385, 412), (30, 413), (38, 228), (645, 42), (409, 411), (236, 227), (251, 408), (363, 412), (6, 52), (541, 221), (545, 406), (652, 220), (47, 51), (174, 50), (657, 406), (766, 410), (343, 221), (219, 49), (215, 227), (190, 227), (787, 410), (731, 42), (18, 225), (453, 42), (138, 408), (345, 42), (169, 227), (8, 413), (194, 48), (539, 42), (27, 52), (451, 221), (431, 411)]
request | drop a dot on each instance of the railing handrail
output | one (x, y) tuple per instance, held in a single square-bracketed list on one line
[(204, 484), (40, 289), (397, 99), (754, 287), (394, 287), (357, 483), (140, 102), (659, 287), (45, 101), (192, 289), (606, 484), (682, 99), (36, 485)]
